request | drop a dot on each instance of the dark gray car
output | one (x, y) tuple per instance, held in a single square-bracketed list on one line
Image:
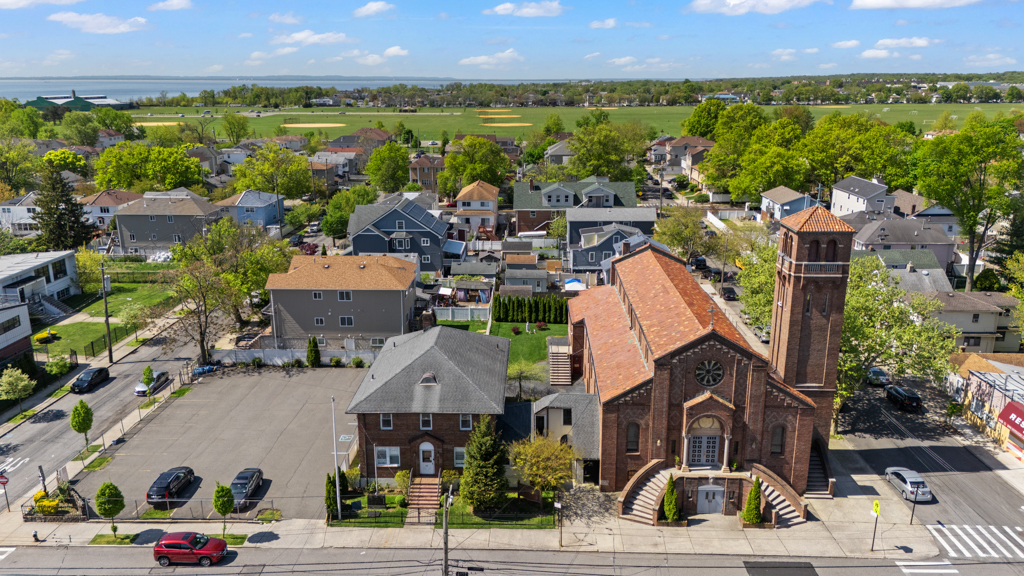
[(245, 484)]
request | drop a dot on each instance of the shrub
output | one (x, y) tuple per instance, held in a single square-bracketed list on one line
[(39, 496), (542, 325), (47, 506), (448, 478), (752, 511), (352, 475), (402, 480), (242, 364), (313, 353), (671, 504), (298, 363), (701, 198), (257, 362), (403, 502), (357, 362), (336, 362), (516, 330)]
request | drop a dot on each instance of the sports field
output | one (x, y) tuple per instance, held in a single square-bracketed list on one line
[(429, 122)]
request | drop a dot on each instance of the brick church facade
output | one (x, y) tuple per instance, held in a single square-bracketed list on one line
[(679, 384)]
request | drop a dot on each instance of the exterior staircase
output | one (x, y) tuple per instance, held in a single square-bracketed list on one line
[(559, 367), (817, 481), (58, 305), (642, 504), (788, 516), (424, 496)]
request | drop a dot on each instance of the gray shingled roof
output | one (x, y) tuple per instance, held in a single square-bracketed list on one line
[(924, 259), (782, 195), (617, 214), (366, 215), (902, 232), (525, 199), (923, 280), (475, 268), (526, 274), (859, 187), (586, 426), (470, 370)]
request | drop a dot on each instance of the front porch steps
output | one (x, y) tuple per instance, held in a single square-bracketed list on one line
[(788, 516), (817, 482), (424, 500), (642, 504)]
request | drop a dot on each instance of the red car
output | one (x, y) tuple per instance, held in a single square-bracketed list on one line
[(189, 548)]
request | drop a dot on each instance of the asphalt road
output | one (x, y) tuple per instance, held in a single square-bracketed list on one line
[(974, 514), (47, 439), (138, 560)]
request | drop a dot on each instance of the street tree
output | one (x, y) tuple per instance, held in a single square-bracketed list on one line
[(971, 173), (15, 385), (17, 163), (276, 170), (388, 167), (79, 129), (945, 121), (543, 463), (704, 119), (236, 127), (1011, 237), (522, 369), (61, 218), (65, 159), (87, 263), (483, 483), (302, 214), (81, 420), (224, 504), (148, 378), (128, 163), (198, 285), (680, 230), (136, 315), (109, 503)]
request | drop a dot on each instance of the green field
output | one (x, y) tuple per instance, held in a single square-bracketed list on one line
[(121, 294), (532, 347), (429, 122)]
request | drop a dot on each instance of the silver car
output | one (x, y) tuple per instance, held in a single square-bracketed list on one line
[(909, 483), (160, 379)]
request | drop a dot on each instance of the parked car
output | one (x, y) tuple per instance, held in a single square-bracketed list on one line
[(296, 240), (314, 228), (909, 484), (877, 377), (160, 379), (169, 485), (89, 379), (709, 273), (763, 333), (903, 398), (729, 293), (698, 263), (710, 233), (245, 485), (189, 548)]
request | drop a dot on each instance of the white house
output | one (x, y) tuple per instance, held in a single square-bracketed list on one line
[(17, 215), (100, 208), (15, 329), (108, 138), (39, 276), (781, 201), (854, 194), (478, 206), (233, 157)]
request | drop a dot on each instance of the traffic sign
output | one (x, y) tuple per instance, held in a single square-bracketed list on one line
[(876, 509), (3, 480)]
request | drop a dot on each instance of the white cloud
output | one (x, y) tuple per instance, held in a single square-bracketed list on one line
[(372, 9), (343, 55), (783, 54), (895, 4), (904, 22), (171, 5), (638, 24), (604, 24), (245, 35), (442, 16), (653, 60), (846, 44), (877, 54), (738, 7), (395, 51), (810, 50), (494, 61), (528, 9), (827, 66), (285, 50), (664, 37), (592, 55), (311, 62), (98, 23), (759, 65), (58, 56), (259, 56), (989, 60), (914, 42), (289, 18), (12, 4), (622, 61), (307, 37), (214, 68), (371, 60), (914, 56)]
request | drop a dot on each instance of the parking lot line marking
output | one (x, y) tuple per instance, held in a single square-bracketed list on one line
[(968, 528), (1011, 546), (5, 552), (935, 532)]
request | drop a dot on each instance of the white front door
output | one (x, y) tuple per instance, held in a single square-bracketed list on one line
[(709, 499), (703, 450), (426, 459)]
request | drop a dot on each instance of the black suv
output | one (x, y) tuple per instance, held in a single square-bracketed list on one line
[(903, 398), (729, 293), (169, 485), (245, 485), (89, 379)]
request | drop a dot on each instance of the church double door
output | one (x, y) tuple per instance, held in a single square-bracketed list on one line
[(703, 450)]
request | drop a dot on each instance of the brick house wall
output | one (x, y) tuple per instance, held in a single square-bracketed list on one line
[(527, 223), (406, 435)]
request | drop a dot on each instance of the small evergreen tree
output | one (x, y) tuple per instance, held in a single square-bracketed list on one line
[(61, 218), (671, 501), (330, 496), (752, 511), (342, 481), (323, 249), (483, 481), (313, 353), (496, 307)]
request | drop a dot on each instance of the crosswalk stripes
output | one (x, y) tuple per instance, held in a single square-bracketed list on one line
[(984, 541), (943, 567)]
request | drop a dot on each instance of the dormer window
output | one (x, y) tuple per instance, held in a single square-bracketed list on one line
[(428, 379)]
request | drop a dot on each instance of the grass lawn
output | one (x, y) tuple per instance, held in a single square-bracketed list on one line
[(60, 391), (269, 515), (392, 517), (235, 539), (22, 417), (99, 463), (472, 326), (121, 294), (84, 454), (137, 342), (142, 266), (149, 403), (111, 540), (77, 301), (75, 336), (461, 516), (181, 391), (532, 347), (154, 514)]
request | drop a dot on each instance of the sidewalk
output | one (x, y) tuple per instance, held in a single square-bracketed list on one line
[(1002, 463)]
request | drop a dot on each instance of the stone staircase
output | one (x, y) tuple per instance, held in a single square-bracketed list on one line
[(559, 367), (788, 516), (424, 495), (642, 504), (58, 305), (817, 481)]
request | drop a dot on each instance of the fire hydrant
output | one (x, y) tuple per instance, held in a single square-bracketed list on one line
[(35, 536)]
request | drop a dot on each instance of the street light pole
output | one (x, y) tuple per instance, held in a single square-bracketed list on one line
[(106, 312), (334, 441)]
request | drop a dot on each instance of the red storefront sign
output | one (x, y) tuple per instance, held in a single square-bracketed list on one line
[(1012, 417)]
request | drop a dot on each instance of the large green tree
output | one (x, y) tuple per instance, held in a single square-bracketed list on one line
[(681, 231), (757, 277), (61, 218), (543, 463), (65, 159), (971, 173), (341, 207), (599, 150), (128, 163), (79, 129), (473, 159), (118, 121), (553, 124), (484, 484), (388, 167), (17, 163), (236, 127), (275, 170), (704, 119)]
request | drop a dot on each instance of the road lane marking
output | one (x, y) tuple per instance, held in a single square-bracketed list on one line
[(935, 532), (1014, 536), (5, 552), (927, 567)]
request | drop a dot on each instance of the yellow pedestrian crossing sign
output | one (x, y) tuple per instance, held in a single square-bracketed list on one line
[(876, 509)]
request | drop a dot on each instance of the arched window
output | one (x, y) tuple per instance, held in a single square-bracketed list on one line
[(633, 437), (812, 252), (788, 245), (778, 439), (830, 251)]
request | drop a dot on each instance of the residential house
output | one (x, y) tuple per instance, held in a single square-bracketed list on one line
[(87, 152), (350, 160), (520, 291), (507, 144), (520, 262), (428, 200), (536, 204), (906, 204), (984, 320), (559, 153), (907, 235), (509, 247), (369, 139), (345, 302), (208, 158), (486, 270), (658, 152), (293, 142), (107, 138), (231, 157), (579, 219), (404, 228), (573, 419), (536, 279), (100, 208), (17, 215), (911, 205), (419, 401), (477, 205), (855, 194), (425, 170), (916, 270), (39, 278), (626, 246), (781, 201), (859, 220), (678, 149), (15, 329), (257, 208), (39, 146), (326, 173), (597, 245), (161, 220)]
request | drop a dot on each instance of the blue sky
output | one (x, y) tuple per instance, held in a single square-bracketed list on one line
[(548, 39)]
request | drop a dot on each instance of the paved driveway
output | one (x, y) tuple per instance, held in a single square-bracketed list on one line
[(275, 419)]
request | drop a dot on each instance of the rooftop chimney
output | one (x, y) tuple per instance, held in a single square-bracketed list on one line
[(910, 267), (625, 248)]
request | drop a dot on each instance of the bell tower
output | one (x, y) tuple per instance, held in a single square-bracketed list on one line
[(811, 272)]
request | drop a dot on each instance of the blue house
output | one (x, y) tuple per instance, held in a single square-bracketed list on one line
[(578, 219), (403, 228), (256, 207), (597, 245)]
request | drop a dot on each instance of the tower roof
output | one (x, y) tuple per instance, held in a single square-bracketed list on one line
[(816, 219)]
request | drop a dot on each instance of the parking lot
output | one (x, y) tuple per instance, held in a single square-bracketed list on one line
[(275, 419)]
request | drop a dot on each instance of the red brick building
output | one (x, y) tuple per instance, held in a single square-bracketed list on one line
[(678, 382)]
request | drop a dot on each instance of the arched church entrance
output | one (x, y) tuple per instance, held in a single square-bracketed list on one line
[(705, 437)]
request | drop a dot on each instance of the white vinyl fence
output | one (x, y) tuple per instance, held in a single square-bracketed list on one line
[(459, 314), (715, 221), (736, 214), (273, 357)]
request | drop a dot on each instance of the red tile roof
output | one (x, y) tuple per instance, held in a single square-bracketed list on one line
[(817, 219), (617, 361), (110, 197)]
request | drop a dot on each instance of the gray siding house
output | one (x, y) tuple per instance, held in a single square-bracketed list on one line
[(597, 245), (578, 219), (535, 279), (161, 220), (346, 302), (403, 228)]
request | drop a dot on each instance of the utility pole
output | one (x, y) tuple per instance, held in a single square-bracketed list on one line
[(337, 486), (447, 510), (106, 312)]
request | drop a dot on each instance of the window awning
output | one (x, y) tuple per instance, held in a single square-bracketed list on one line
[(1012, 417)]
